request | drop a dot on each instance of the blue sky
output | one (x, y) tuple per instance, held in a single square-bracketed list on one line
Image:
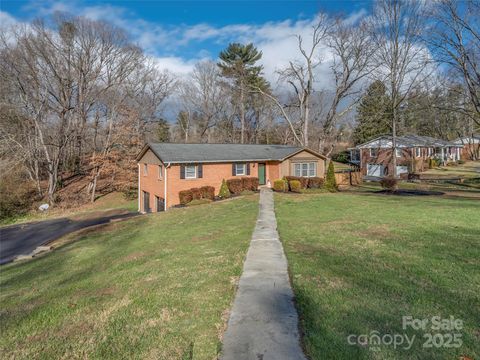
[(179, 33)]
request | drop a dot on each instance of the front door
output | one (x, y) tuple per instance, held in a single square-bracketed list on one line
[(261, 174), (146, 202)]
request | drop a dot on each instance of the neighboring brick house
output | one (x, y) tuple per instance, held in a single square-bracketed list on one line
[(412, 151), (165, 169), (471, 147)]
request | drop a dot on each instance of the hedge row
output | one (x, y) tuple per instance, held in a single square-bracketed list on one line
[(296, 183), (204, 192), (237, 185)]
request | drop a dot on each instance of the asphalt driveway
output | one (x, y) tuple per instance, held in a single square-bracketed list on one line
[(22, 239)]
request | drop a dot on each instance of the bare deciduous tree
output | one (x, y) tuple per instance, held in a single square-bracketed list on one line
[(400, 60)]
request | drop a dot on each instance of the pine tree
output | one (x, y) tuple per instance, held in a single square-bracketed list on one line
[(330, 181), (238, 62), (163, 131), (373, 115), (224, 192)]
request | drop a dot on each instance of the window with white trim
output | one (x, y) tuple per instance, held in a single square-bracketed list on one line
[(418, 152), (240, 169), (190, 171), (373, 152), (398, 152), (160, 172), (145, 169), (430, 151), (305, 169)]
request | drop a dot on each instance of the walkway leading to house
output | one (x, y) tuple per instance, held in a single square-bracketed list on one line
[(263, 324)]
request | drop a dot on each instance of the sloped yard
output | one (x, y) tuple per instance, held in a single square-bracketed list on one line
[(153, 287), (358, 263)]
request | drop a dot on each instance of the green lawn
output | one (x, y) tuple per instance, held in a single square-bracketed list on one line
[(466, 170), (112, 201), (358, 263), (153, 287)]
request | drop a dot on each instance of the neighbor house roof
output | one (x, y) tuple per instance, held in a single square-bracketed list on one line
[(191, 153), (406, 141), (465, 140)]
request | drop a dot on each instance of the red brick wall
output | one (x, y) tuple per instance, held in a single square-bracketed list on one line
[(213, 174), (273, 171), (152, 184), (384, 158)]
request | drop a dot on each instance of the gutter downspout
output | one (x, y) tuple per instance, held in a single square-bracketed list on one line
[(165, 188), (138, 166)]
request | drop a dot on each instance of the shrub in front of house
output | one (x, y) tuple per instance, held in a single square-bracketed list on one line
[(224, 193), (185, 196), (303, 180), (196, 193), (389, 183), (315, 182), (295, 186), (280, 185), (208, 192), (330, 181), (460, 162), (255, 183), (432, 163), (235, 186), (250, 183)]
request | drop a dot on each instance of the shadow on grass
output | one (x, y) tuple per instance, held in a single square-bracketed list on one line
[(341, 291)]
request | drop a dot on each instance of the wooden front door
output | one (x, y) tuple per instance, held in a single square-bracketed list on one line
[(261, 174)]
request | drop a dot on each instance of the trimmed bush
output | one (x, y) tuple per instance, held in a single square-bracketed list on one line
[(295, 186), (303, 180), (280, 185), (315, 182), (224, 193), (235, 186), (389, 183), (432, 163), (208, 192), (330, 181), (255, 183), (185, 196), (196, 193)]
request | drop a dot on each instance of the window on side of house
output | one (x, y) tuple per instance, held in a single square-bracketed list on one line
[(373, 152), (305, 169), (418, 152), (190, 171), (160, 172), (398, 152), (145, 169), (240, 169)]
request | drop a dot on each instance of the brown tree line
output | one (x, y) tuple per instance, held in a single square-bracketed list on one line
[(78, 97), (75, 99)]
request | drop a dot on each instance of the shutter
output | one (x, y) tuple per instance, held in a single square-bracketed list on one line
[(199, 171), (233, 170), (248, 168), (182, 171)]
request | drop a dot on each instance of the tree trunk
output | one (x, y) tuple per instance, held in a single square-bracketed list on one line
[(242, 116)]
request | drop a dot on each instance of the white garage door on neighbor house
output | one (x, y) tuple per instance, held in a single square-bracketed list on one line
[(375, 170)]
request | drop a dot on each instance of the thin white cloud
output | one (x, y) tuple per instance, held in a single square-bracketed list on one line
[(166, 43)]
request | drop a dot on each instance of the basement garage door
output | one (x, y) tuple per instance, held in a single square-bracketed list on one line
[(375, 170)]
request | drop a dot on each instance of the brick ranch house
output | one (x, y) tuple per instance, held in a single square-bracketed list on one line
[(165, 169), (471, 147), (412, 151)]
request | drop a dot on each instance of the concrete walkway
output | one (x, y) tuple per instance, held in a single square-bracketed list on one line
[(263, 324)]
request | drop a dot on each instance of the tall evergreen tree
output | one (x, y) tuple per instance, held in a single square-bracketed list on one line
[(239, 62), (163, 131), (373, 115)]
